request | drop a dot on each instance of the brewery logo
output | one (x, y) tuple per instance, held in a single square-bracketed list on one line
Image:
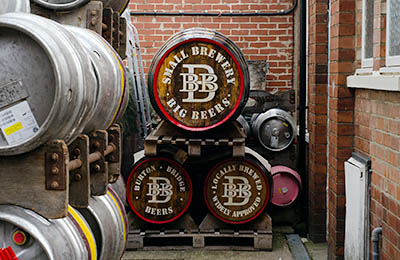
[(191, 83), (159, 190), (159, 187), (236, 191), (197, 83)]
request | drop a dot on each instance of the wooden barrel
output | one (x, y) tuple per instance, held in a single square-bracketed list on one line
[(237, 190), (198, 80), (107, 218), (10, 6), (33, 237), (60, 5), (159, 190), (116, 5), (287, 185), (50, 76), (275, 129)]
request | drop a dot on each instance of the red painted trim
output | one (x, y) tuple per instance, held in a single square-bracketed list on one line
[(173, 120), (246, 220), (129, 197)]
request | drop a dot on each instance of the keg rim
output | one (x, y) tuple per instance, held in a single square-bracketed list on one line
[(198, 38), (128, 193)]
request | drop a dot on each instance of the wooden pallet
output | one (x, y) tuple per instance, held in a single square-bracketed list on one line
[(230, 135), (211, 234)]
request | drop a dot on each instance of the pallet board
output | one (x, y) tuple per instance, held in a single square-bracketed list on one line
[(219, 240), (212, 234), (165, 133)]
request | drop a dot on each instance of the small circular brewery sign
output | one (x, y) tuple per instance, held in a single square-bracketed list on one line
[(236, 191), (159, 190), (198, 82)]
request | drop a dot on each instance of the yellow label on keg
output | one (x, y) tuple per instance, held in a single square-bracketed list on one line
[(12, 129)]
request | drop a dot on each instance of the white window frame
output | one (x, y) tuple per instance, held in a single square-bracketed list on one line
[(365, 62), (390, 60)]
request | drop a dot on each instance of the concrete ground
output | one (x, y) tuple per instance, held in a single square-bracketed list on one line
[(280, 251), (316, 251)]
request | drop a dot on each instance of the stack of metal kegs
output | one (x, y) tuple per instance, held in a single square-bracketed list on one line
[(57, 82)]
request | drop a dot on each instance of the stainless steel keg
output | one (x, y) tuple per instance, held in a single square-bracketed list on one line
[(243, 122), (274, 129), (107, 218), (55, 83), (10, 6), (32, 236), (120, 189), (112, 92), (60, 5)]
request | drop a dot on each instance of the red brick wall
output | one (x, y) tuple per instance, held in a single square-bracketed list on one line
[(366, 121), (377, 134), (260, 38), (317, 117)]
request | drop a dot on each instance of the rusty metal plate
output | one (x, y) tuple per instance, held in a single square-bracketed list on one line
[(55, 167)]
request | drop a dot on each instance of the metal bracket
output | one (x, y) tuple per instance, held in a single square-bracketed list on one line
[(79, 194), (94, 20), (107, 25), (122, 38), (114, 159), (55, 167), (115, 31), (99, 169)]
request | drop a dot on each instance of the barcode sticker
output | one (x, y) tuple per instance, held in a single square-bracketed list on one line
[(17, 123)]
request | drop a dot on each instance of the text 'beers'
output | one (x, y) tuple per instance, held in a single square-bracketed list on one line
[(198, 80)]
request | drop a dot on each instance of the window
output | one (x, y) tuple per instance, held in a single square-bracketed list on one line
[(393, 33), (367, 33)]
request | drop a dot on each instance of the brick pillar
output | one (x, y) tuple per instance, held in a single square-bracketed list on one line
[(341, 114), (317, 117)]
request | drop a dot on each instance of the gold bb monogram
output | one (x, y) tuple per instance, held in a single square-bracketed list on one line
[(203, 82), (237, 187), (159, 187)]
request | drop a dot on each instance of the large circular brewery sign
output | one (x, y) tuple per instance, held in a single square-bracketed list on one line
[(159, 190), (198, 80), (236, 191)]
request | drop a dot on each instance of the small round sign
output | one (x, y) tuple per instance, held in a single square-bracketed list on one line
[(159, 190), (236, 191)]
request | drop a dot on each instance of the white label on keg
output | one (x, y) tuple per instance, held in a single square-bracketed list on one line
[(17, 123)]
